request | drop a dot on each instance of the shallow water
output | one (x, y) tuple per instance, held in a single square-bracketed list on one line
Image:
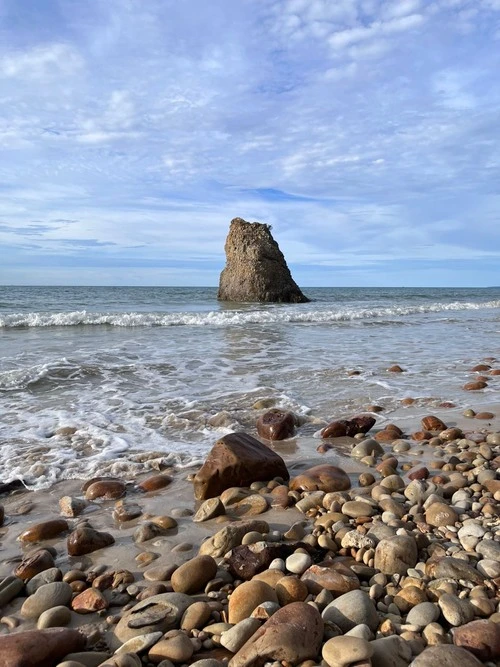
[(168, 370)]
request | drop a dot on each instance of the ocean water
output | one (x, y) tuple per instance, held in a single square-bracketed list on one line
[(149, 376)]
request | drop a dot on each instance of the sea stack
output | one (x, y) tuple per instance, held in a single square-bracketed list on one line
[(256, 269)]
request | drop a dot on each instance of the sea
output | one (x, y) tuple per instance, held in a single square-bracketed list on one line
[(122, 380)]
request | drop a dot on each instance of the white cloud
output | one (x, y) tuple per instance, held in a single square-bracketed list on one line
[(48, 61)]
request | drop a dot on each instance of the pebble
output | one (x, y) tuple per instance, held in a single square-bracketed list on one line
[(351, 609), (55, 617), (298, 562), (46, 597), (343, 651), (422, 614)]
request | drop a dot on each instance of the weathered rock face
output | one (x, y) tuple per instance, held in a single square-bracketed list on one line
[(256, 269)]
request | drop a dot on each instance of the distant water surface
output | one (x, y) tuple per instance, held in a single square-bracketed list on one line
[(159, 373)]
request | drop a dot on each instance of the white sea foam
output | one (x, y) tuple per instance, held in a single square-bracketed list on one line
[(229, 317)]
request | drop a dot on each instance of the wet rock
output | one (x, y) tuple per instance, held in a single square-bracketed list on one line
[(475, 386), (85, 540), (325, 478), (237, 459), (209, 509), (43, 648), (335, 429), (293, 634), (89, 601), (276, 425), (351, 609), (368, 447), (433, 424), (42, 578), (229, 537), (154, 483), (445, 656), (396, 554), (481, 638), (192, 576), (33, 564), (45, 530), (256, 269), (126, 511), (110, 489), (10, 587), (46, 597), (72, 507)]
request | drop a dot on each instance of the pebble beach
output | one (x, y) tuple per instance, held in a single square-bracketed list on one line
[(381, 549)]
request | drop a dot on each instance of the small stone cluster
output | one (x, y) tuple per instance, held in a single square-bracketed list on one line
[(403, 569)]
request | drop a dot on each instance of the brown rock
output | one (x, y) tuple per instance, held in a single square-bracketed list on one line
[(246, 597), (485, 415), (396, 554), (395, 369), (336, 429), (280, 497), (192, 576), (230, 536), (84, 540), (43, 648), (110, 489), (432, 423), (440, 514), (46, 530), (276, 425), (332, 576), (33, 564), (475, 386), (321, 478), (482, 638), (443, 656), (154, 483), (245, 561), (291, 589), (480, 368), (89, 601), (255, 268), (292, 635), (360, 424), (419, 473), (237, 459)]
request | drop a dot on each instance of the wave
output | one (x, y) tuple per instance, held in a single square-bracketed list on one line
[(227, 318)]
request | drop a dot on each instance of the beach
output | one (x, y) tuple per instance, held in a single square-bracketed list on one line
[(142, 404)]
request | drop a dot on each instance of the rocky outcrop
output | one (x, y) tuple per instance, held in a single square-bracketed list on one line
[(256, 269)]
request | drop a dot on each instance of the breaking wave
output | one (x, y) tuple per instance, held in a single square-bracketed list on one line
[(228, 318)]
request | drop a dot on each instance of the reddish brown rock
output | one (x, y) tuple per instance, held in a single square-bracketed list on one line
[(395, 369), (419, 473), (333, 576), (495, 371), (276, 424), (485, 415), (43, 648), (89, 601), (194, 575), (408, 401), (420, 436), (110, 489), (84, 540), (336, 429), (321, 478), (246, 597), (154, 483), (237, 459), (46, 530), (481, 638), (480, 368), (33, 564), (475, 386), (292, 635), (280, 497), (432, 423)]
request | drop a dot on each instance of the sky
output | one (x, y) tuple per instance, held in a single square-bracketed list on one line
[(366, 132)]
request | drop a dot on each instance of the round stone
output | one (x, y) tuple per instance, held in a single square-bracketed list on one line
[(343, 651), (422, 614), (47, 596), (193, 576), (298, 562)]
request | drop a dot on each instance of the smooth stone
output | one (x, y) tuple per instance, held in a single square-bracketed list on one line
[(489, 568), (356, 508), (196, 616), (46, 597), (454, 568), (489, 549), (276, 424), (455, 611), (246, 597), (89, 658), (10, 587), (293, 634), (209, 509), (343, 651), (46, 577), (324, 477), (298, 562), (445, 655), (440, 514), (45, 530), (390, 652), (178, 649), (140, 643), (154, 483), (43, 648), (126, 511), (72, 507), (84, 540), (110, 489), (422, 614), (332, 576), (291, 589), (56, 617), (193, 575), (368, 447), (89, 601), (239, 634), (351, 609)]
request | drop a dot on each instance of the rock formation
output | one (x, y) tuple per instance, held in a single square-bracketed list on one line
[(256, 269)]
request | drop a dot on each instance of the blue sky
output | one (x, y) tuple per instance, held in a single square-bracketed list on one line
[(366, 132)]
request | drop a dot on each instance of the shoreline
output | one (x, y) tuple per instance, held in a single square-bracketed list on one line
[(181, 544)]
